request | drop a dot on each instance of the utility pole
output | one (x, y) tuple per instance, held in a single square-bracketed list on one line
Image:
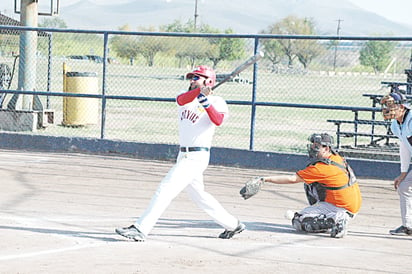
[(196, 15), (336, 44), (27, 58)]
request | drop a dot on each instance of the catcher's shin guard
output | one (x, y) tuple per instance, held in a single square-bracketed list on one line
[(318, 224)]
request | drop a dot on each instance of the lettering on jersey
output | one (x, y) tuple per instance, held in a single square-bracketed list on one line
[(189, 115)]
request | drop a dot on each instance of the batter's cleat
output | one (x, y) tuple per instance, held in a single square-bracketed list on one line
[(227, 234), (401, 231), (131, 232), (340, 229)]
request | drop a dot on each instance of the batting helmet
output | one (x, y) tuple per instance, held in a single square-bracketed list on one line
[(206, 72)]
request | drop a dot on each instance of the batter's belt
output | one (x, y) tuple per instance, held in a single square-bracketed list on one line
[(190, 149)]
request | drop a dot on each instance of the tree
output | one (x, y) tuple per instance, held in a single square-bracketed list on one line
[(178, 26), (273, 52), (125, 46), (213, 49), (226, 49), (193, 50), (149, 46), (304, 50), (376, 54), (68, 43), (54, 22), (131, 46)]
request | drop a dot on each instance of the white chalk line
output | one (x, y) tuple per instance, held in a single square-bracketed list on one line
[(23, 159), (74, 219), (28, 221), (47, 252)]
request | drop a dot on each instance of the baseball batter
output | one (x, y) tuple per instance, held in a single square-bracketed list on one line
[(199, 112), (396, 108)]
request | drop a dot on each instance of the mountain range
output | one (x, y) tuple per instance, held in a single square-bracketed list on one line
[(242, 16)]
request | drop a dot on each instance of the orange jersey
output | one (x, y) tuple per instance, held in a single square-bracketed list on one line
[(330, 175)]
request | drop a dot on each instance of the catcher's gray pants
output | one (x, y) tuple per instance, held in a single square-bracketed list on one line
[(327, 209), (405, 200), (187, 174)]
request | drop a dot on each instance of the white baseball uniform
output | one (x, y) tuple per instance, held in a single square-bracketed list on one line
[(404, 133), (195, 133)]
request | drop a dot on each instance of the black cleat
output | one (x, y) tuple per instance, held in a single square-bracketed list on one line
[(227, 234), (131, 232)]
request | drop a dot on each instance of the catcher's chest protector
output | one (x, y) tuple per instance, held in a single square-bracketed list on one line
[(317, 192)]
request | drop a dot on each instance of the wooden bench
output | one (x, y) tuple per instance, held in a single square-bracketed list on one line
[(375, 137), (397, 84), (373, 121), (376, 98)]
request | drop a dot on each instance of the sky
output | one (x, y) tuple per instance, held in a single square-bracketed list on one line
[(395, 10)]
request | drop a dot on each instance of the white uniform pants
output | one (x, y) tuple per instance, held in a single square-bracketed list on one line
[(187, 174), (405, 200)]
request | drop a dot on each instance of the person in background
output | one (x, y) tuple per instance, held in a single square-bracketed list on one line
[(396, 108)]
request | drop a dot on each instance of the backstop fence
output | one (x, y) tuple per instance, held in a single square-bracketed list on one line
[(122, 85)]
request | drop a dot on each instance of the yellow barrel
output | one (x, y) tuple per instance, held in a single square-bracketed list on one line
[(80, 111)]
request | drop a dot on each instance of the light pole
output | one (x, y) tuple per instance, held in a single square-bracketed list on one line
[(196, 15), (27, 57), (336, 45)]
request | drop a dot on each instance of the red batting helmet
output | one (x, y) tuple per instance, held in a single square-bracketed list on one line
[(206, 72)]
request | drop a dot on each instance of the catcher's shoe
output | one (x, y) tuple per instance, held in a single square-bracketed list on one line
[(340, 229), (296, 223), (227, 234), (131, 232), (401, 231)]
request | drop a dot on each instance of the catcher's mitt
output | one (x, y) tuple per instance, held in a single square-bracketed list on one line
[(252, 187)]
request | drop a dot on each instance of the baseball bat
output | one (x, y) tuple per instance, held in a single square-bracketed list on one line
[(241, 68)]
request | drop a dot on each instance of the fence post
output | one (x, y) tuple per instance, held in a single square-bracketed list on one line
[(103, 122), (253, 114)]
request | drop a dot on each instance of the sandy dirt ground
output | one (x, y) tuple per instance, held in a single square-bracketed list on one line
[(58, 213)]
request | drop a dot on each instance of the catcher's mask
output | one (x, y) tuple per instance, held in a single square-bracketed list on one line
[(206, 72), (316, 141), (390, 103)]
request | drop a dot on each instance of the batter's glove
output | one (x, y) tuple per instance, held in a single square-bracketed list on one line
[(252, 187), (203, 100)]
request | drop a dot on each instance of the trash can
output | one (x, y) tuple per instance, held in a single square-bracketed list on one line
[(80, 111)]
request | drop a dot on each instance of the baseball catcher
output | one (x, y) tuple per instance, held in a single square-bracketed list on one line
[(330, 185)]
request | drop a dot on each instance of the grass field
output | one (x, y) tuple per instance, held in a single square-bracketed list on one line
[(276, 128)]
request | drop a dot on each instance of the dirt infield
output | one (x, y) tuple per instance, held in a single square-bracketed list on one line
[(58, 213)]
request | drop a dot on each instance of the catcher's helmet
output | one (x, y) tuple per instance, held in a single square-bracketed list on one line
[(391, 102), (206, 72), (319, 139)]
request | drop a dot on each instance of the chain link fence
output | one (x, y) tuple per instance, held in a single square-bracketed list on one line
[(125, 84)]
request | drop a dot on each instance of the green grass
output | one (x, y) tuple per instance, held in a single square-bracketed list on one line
[(277, 128)]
